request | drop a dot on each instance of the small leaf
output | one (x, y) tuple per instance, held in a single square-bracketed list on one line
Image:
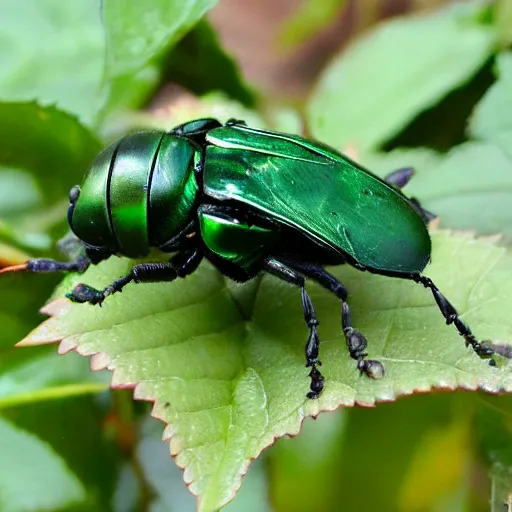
[(227, 387), (138, 32), (32, 476), (52, 145), (491, 120), (372, 91)]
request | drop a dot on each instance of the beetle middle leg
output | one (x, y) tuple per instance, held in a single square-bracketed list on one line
[(289, 275), (181, 265), (356, 342)]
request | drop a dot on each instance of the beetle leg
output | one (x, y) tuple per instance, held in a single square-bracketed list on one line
[(182, 264), (356, 342), (285, 273), (42, 265), (400, 177), (483, 349)]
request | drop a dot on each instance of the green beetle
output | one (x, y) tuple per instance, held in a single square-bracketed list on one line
[(249, 201)]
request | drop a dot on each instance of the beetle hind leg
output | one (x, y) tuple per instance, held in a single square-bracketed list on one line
[(484, 349), (312, 347), (356, 342)]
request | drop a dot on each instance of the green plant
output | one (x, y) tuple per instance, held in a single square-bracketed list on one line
[(441, 106)]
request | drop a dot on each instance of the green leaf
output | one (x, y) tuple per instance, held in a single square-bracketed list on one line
[(201, 65), (53, 52), (390, 75), (34, 376), (32, 476), (50, 144), (82, 431), (491, 119), (138, 32), (472, 178), (228, 386)]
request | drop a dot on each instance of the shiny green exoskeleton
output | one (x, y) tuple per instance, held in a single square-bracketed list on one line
[(250, 201)]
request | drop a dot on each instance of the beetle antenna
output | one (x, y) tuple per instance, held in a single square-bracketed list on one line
[(14, 268), (41, 265)]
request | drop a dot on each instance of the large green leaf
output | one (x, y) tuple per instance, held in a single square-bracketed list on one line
[(138, 32), (53, 51), (390, 75), (32, 476), (491, 120), (228, 386)]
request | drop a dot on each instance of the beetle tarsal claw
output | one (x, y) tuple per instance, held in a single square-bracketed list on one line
[(84, 293), (371, 368)]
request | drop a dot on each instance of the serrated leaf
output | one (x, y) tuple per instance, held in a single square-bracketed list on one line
[(139, 32), (32, 476), (227, 387), (371, 91), (491, 119)]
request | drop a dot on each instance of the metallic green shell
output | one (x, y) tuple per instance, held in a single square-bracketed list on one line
[(129, 185), (90, 221), (138, 194), (320, 192), (234, 240), (173, 189)]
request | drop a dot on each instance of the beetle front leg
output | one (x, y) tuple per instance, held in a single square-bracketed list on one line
[(285, 273), (181, 265), (483, 349)]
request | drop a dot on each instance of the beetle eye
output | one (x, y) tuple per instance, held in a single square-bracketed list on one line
[(74, 193)]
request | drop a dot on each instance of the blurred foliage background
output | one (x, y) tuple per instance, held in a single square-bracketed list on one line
[(425, 83)]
